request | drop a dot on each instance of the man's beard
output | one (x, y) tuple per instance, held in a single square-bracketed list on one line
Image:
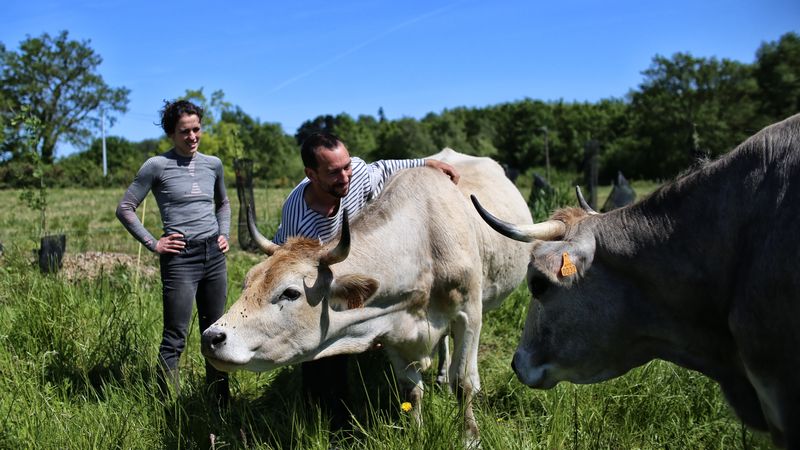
[(338, 191)]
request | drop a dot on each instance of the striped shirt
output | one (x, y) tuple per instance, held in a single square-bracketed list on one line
[(367, 181)]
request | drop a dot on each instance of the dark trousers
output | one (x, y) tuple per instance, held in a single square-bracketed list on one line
[(325, 383), (197, 272)]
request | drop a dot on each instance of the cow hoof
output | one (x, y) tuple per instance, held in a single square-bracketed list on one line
[(443, 383), (472, 443)]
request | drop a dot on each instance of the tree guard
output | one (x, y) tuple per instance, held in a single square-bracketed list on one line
[(51, 253), (244, 191)]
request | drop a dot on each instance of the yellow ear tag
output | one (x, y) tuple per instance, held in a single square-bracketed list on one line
[(567, 268)]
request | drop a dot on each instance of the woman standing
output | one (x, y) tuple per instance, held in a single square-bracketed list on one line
[(195, 211)]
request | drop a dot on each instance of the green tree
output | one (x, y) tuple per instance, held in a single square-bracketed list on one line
[(402, 139), (57, 79), (684, 93), (519, 137), (360, 136), (448, 130), (777, 70), (276, 158), (221, 138), (319, 124), (86, 168), (605, 121), (478, 128)]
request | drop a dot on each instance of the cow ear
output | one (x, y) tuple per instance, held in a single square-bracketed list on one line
[(352, 291), (564, 261)]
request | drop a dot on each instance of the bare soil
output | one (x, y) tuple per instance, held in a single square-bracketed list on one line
[(82, 266)]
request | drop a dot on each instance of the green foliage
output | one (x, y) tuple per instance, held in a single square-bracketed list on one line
[(520, 133), (34, 195), (402, 139), (777, 71), (57, 79), (361, 136), (123, 159), (683, 94), (686, 106), (276, 158)]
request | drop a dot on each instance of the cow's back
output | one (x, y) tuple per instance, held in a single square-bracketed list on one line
[(504, 261)]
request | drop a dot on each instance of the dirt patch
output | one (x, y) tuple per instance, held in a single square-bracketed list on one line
[(83, 266)]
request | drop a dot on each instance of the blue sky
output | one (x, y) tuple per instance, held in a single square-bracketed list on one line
[(291, 61)]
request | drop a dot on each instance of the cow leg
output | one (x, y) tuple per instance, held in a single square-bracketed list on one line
[(464, 379), (743, 398), (409, 377), (780, 401), (443, 348), (414, 394)]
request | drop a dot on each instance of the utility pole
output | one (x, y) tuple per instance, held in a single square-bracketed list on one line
[(103, 132)]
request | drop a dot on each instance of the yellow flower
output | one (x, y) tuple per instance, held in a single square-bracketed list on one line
[(405, 406)]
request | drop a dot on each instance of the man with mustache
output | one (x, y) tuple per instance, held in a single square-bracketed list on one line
[(335, 181)]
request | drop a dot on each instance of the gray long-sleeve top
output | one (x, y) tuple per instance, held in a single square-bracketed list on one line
[(191, 197)]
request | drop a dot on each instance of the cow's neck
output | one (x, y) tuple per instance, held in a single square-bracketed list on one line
[(358, 330), (681, 247), (394, 250)]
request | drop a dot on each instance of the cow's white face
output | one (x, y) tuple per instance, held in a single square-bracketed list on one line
[(579, 328), (291, 310)]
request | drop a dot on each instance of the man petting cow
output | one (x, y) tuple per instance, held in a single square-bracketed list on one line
[(418, 264), (335, 182)]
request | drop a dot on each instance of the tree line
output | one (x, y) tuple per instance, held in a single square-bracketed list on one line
[(686, 107)]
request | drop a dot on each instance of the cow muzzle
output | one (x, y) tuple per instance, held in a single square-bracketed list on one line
[(212, 340), (533, 376), (216, 347)]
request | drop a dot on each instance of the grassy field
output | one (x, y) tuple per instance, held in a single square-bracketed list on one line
[(77, 352)]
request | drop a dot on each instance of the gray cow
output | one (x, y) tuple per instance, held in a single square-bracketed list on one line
[(703, 273)]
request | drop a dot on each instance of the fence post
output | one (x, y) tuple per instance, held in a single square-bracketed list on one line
[(244, 191), (590, 151)]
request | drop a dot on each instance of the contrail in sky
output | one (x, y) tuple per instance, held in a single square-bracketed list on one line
[(360, 46)]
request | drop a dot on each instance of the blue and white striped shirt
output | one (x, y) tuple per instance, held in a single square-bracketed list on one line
[(367, 181)]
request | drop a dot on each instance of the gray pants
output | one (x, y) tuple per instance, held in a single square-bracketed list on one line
[(197, 272)]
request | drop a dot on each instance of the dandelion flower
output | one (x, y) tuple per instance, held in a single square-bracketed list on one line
[(405, 406)]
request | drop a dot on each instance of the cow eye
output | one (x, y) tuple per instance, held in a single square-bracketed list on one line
[(290, 294), (538, 285)]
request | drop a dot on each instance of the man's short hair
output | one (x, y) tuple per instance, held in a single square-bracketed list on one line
[(172, 112), (312, 143)]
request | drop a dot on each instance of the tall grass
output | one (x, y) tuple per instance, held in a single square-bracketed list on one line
[(77, 370)]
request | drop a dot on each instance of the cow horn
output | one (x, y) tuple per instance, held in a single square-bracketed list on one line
[(582, 201), (545, 231), (341, 251), (263, 243)]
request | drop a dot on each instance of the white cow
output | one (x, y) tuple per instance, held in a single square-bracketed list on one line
[(422, 262)]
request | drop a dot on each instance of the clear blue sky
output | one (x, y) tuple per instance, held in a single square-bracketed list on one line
[(291, 61)]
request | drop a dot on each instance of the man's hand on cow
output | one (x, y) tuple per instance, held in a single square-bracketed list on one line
[(172, 243), (447, 169), (223, 243)]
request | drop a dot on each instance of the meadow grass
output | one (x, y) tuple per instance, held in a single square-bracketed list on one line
[(77, 368)]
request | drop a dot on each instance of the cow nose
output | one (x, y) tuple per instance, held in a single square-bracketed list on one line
[(213, 339)]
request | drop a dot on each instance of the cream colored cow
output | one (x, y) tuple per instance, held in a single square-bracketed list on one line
[(416, 263)]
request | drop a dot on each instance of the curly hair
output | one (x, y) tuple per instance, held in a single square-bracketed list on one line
[(173, 111)]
